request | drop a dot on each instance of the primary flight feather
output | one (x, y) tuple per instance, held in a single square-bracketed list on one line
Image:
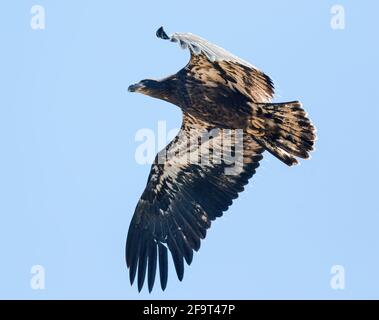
[(218, 93)]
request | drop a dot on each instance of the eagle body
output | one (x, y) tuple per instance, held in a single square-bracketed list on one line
[(224, 99), (204, 93), (191, 96)]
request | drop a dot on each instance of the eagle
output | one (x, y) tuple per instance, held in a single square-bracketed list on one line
[(216, 91)]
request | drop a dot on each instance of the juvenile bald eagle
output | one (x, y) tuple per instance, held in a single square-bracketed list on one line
[(214, 90)]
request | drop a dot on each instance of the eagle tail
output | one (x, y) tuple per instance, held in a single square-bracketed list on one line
[(284, 130)]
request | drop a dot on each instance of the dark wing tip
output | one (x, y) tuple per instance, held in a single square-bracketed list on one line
[(162, 34), (163, 265), (152, 265)]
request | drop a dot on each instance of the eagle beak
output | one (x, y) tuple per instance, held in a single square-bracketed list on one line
[(135, 87)]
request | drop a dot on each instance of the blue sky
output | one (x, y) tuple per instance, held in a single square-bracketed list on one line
[(69, 182)]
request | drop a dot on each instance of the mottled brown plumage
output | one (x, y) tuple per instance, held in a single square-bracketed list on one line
[(216, 91)]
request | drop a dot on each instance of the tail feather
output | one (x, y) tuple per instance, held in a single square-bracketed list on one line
[(287, 131)]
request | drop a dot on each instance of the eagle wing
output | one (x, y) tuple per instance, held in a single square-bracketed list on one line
[(182, 197), (214, 65)]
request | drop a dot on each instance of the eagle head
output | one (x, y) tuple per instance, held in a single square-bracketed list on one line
[(161, 89), (146, 86)]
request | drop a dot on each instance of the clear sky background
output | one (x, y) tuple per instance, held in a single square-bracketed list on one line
[(69, 181)]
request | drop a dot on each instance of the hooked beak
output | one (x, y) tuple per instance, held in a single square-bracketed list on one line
[(135, 87)]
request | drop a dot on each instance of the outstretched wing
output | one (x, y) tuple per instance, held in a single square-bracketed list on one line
[(213, 64), (188, 187)]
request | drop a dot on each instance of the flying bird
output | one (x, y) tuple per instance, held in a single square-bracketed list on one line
[(216, 90)]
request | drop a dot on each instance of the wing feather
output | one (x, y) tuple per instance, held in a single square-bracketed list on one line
[(178, 205), (163, 265), (210, 61), (152, 264)]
